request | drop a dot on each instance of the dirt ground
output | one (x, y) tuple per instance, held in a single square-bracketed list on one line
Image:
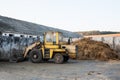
[(73, 70)]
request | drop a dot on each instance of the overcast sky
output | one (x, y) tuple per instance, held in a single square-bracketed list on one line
[(72, 15)]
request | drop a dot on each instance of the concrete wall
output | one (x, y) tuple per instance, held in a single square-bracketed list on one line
[(114, 42)]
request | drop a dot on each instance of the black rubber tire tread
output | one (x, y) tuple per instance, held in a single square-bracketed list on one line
[(39, 56), (58, 58)]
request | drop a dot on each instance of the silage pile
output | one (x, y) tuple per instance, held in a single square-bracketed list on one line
[(90, 49)]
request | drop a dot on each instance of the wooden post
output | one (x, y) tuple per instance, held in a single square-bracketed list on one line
[(114, 43)]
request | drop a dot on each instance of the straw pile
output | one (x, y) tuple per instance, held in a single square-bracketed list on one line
[(90, 49)]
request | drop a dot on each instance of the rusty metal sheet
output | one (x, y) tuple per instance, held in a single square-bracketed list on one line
[(14, 45)]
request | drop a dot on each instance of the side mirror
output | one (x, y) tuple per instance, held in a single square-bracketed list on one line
[(69, 40)]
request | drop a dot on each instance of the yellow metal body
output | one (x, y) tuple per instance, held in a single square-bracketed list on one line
[(53, 45), (27, 49), (52, 51)]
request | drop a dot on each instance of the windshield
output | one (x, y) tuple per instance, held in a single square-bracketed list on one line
[(49, 37), (60, 37)]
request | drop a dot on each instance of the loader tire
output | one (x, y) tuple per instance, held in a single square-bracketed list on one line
[(35, 56), (58, 58)]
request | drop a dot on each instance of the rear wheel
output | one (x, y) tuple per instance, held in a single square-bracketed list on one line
[(58, 58), (35, 56)]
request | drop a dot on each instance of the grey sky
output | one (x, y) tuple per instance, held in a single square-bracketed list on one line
[(72, 15)]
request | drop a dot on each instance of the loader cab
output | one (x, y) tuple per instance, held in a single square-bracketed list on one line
[(52, 38)]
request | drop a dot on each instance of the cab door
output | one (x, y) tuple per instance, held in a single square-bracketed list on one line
[(50, 43)]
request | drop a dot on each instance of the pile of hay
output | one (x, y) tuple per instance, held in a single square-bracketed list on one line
[(90, 49)]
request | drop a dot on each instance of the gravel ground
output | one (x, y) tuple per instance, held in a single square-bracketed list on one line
[(73, 70)]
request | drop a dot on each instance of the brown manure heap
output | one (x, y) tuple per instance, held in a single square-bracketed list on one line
[(95, 50)]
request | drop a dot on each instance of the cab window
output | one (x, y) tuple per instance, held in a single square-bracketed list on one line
[(60, 37), (54, 37), (49, 37)]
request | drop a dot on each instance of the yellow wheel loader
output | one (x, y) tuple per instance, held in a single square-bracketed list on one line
[(52, 47)]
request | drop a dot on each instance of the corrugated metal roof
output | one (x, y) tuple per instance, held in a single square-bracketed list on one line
[(19, 26)]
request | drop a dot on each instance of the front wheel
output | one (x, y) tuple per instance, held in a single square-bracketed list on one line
[(35, 56), (58, 58)]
